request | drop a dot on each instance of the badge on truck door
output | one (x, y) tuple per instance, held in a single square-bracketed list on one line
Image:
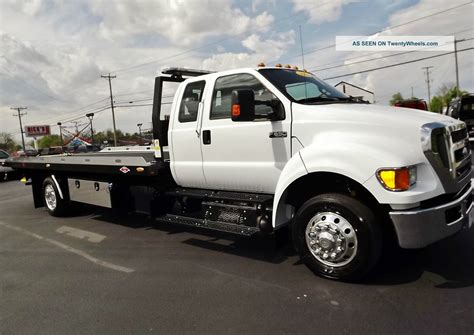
[(276, 134)]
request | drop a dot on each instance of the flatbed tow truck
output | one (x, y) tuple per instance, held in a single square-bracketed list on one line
[(262, 149)]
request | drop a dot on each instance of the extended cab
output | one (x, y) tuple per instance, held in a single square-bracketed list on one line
[(258, 150)]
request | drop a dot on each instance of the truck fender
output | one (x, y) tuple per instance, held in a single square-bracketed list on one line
[(292, 171), (58, 187), (314, 159)]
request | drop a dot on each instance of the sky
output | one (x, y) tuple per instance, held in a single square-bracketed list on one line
[(53, 52)]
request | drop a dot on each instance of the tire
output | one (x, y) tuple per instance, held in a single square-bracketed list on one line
[(337, 237), (3, 176), (54, 204)]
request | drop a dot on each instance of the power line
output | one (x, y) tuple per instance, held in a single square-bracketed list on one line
[(381, 57), (397, 64), (371, 53), (385, 29), (211, 43), (74, 112)]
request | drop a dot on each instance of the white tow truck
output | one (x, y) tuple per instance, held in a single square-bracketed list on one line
[(256, 150)]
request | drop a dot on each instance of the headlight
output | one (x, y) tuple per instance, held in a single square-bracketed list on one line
[(397, 179)]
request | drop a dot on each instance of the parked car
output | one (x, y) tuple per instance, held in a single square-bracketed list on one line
[(4, 170), (50, 151), (26, 153), (412, 103)]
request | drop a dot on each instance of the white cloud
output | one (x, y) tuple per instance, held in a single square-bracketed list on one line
[(263, 50), (321, 11), (181, 22)]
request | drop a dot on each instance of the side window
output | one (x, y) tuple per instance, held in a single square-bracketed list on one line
[(188, 110), (221, 98)]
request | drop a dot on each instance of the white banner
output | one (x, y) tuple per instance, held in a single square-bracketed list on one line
[(394, 43)]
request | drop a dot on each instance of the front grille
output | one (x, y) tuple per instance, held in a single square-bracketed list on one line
[(463, 170), (458, 152), (447, 149), (459, 135)]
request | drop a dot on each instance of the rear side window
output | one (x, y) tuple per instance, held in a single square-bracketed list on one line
[(3, 155), (222, 95), (188, 109)]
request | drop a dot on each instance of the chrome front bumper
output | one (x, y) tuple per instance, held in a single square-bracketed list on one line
[(419, 228)]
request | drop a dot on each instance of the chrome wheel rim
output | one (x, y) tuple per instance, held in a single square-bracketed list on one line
[(50, 197), (331, 239)]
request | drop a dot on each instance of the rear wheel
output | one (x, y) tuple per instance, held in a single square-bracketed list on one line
[(52, 199), (337, 236)]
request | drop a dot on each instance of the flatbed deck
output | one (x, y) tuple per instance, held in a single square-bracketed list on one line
[(134, 163)]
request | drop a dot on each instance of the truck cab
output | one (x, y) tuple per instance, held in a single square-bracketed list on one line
[(286, 133)]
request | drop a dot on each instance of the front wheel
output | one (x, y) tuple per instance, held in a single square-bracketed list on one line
[(337, 236), (52, 199)]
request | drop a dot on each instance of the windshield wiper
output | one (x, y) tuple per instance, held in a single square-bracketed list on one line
[(317, 99), (350, 98), (320, 99)]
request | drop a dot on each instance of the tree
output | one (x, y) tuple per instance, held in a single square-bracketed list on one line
[(7, 142), (49, 141), (436, 104), (397, 97), (448, 92)]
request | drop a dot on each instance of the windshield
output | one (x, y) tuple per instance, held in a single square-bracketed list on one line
[(467, 109), (301, 86)]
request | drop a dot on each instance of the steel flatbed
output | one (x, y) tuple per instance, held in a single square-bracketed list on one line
[(124, 162)]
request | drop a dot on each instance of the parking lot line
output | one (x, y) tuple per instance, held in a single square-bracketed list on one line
[(81, 234), (68, 248)]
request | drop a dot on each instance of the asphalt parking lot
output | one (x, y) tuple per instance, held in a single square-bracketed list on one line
[(96, 273)]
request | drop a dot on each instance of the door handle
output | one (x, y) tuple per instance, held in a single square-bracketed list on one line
[(206, 137)]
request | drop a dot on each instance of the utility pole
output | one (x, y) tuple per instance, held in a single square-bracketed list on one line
[(19, 109), (428, 82), (61, 133), (139, 125), (91, 117), (109, 77), (412, 92), (456, 62)]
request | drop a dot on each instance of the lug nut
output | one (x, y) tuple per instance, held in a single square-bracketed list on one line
[(325, 255), (333, 255)]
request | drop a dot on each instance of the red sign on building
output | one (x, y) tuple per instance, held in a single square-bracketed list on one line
[(33, 131)]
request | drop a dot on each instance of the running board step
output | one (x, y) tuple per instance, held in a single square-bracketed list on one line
[(222, 195), (214, 225)]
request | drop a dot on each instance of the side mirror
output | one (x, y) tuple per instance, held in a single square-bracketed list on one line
[(243, 105)]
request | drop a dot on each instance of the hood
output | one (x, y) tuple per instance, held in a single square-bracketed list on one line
[(364, 114), (392, 134)]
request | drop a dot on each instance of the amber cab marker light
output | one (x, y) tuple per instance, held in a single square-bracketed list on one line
[(235, 110), (261, 65), (397, 179)]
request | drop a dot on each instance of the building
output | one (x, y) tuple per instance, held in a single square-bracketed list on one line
[(355, 91)]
